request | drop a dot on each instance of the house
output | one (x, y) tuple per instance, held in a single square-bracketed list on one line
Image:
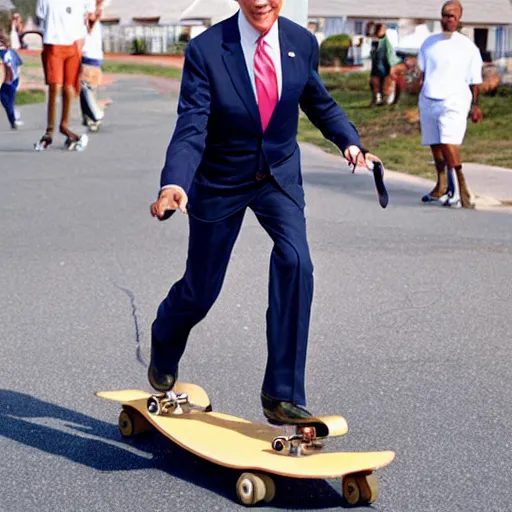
[(125, 12), (488, 23), (149, 26), (212, 11), (158, 24)]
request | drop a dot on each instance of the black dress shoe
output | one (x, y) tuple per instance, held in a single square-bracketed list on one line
[(162, 382), (279, 412)]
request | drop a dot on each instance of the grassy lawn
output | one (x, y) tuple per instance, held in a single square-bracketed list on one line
[(393, 132), (113, 66), (140, 69), (30, 96)]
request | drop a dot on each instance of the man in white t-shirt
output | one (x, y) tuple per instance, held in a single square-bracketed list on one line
[(64, 33), (452, 69)]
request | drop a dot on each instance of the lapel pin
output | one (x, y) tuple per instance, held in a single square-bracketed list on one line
[(291, 54)]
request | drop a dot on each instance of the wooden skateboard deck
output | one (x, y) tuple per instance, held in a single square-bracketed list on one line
[(240, 444)]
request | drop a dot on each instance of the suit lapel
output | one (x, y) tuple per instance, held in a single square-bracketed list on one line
[(234, 60)]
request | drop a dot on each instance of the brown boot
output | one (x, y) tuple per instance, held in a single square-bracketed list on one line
[(467, 197), (441, 184)]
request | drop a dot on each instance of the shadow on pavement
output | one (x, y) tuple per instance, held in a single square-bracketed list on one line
[(362, 187), (99, 445)]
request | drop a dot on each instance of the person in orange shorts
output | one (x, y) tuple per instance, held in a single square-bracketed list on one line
[(64, 29)]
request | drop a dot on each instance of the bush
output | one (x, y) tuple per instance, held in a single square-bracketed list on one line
[(138, 46), (334, 50), (176, 48)]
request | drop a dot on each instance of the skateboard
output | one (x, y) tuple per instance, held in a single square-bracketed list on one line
[(185, 416)]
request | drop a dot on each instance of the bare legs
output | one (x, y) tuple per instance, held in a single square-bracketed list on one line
[(68, 94), (451, 187)]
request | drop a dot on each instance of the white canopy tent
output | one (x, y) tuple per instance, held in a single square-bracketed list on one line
[(412, 43), (6, 5)]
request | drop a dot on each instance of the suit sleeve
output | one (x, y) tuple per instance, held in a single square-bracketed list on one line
[(188, 140), (323, 111)]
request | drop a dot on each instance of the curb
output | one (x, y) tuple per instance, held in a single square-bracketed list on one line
[(482, 201)]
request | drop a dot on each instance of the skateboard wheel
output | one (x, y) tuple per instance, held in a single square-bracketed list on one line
[(350, 490), (270, 487), (360, 489), (126, 424), (368, 487), (251, 489), (131, 423)]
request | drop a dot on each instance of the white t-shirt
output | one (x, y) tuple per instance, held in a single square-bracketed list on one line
[(450, 64), (63, 20), (93, 46)]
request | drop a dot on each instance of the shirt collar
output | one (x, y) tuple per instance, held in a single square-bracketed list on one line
[(250, 35)]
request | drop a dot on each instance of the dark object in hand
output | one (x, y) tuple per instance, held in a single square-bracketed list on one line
[(378, 176)]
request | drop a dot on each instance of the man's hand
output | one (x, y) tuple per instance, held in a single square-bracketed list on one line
[(172, 198), (357, 157), (476, 114)]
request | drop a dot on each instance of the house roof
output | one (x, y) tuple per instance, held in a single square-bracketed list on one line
[(488, 12), (125, 10), (485, 12), (209, 9)]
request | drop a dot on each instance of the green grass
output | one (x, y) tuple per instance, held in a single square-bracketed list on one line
[(113, 66), (393, 132), (30, 96), (140, 69)]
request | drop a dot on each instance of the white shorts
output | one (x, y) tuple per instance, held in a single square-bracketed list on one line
[(444, 121)]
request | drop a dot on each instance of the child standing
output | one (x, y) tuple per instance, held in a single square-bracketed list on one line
[(91, 75), (11, 63)]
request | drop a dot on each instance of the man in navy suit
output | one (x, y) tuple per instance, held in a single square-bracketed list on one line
[(234, 147)]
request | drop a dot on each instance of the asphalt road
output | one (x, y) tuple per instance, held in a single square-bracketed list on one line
[(410, 337)]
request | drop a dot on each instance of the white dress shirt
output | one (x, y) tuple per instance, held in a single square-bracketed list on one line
[(249, 39)]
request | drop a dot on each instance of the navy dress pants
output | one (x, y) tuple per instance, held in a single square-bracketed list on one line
[(290, 291)]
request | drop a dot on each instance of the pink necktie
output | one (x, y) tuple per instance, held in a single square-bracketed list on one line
[(266, 83)]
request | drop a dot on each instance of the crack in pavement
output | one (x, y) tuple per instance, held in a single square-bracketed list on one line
[(131, 295)]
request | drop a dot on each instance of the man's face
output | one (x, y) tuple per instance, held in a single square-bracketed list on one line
[(261, 14), (451, 15)]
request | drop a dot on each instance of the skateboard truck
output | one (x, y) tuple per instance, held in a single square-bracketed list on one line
[(303, 442), (172, 403)]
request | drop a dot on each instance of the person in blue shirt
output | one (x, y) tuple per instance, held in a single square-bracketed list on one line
[(11, 63)]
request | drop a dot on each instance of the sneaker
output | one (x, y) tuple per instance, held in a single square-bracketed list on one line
[(451, 201), (43, 143)]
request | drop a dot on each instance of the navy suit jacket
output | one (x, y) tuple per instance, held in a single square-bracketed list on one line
[(218, 146)]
